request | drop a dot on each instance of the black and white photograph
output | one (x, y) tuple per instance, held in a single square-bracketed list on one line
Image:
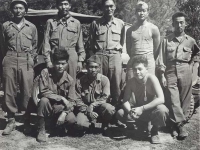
[(99, 74)]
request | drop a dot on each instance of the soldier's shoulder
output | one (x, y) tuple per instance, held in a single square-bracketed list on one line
[(119, 20), (6, 23), (30, 24), (190, 38), (74, 20)]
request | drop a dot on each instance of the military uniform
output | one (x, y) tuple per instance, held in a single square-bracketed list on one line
[(106, 41), (50, 94), (64, 33), (94, 94), (19, 51), (175, 60)]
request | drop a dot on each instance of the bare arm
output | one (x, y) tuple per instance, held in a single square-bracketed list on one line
[(156, 41), (155, 86)]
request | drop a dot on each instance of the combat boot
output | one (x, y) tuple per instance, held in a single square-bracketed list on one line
[(182, 133), (9, 127), (41, 137)]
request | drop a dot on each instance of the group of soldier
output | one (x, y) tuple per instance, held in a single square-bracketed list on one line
[(96, 96)]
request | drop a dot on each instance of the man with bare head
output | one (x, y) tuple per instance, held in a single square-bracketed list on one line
[(143, 38)]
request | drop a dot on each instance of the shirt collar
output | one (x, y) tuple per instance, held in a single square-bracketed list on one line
[(98, 78), (64, 78), (25, 22), (59, 20), (172, 36), (113, 21)]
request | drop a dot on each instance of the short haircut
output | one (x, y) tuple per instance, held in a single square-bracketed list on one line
[(103, 2), (179, 14), (140, 4), (19, 2), (139, 59), (58, 1), (60, 54)]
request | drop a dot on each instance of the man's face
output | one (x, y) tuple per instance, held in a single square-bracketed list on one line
[(93, 69), (64, 7), (179, 24), (18, 11), (142, 13), (60, 66), (109, 8), (139, 70)]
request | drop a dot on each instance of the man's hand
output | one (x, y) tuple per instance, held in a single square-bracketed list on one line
[(61, 118), (163, 80), (137, 112), (93, 115), (79, 66)]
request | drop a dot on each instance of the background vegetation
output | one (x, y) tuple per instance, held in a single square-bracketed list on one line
[(160, 12)]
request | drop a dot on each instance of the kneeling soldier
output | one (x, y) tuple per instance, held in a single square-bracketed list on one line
[(57, 92), (147, 103), (93, 90)]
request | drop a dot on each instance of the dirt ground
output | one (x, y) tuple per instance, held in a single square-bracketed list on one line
[(131, 140)]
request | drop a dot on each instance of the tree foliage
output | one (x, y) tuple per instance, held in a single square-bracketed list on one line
[(192, 9)]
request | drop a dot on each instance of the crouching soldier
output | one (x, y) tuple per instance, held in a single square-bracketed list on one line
[(147, 102), (57, 92), (93, 90), (20, 46)]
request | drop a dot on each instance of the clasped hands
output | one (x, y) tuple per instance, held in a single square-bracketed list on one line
[(136, 112), (93, 115)]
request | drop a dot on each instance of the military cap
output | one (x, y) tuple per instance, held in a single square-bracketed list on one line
[(15, 1), (94, 59)]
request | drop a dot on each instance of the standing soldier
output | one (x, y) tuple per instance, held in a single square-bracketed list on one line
[(64, 31), (143, 38), (106, 41), (20, 40), (176, 56)]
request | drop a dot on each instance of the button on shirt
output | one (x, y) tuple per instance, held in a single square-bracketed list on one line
[(63, 33), (176, 50), (53, 89), (20, 40), (94, 92), (106, 36)]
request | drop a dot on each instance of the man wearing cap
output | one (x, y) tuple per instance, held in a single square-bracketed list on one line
[(176, 58), (20, 46), (64, 31), (143, 38), (106, 40), (93, 91)]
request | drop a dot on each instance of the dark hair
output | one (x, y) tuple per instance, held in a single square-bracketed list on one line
[(139, 59), (103, 2), (19, 2), (60, 54), (58, 1), (179, 14)]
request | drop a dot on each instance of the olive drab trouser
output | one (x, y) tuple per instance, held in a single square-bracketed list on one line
[(18, 77)]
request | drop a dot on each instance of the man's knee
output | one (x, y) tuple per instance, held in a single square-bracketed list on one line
[(120, 114), (82, 120), (43, 101), (110, 109), (162, 110), (71, 118)]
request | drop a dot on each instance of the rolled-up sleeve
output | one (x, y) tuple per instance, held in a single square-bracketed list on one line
[(161, 60), (46, 45), (79, 46)]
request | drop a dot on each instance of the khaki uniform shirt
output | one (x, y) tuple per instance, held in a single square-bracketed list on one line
[(104, 36), (173, 50), (92, 93), (52, 89), (63, 33), (21, 40)]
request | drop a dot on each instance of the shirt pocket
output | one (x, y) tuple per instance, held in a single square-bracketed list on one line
[(171, 53), (26, 41), (186, 53), (116, 35), (72, 33), (101, 35), (54, 37)]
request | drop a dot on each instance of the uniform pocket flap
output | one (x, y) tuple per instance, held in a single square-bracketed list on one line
[(186, 49), (116, 31), (100, 32), (72, 30), (28, 36)]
